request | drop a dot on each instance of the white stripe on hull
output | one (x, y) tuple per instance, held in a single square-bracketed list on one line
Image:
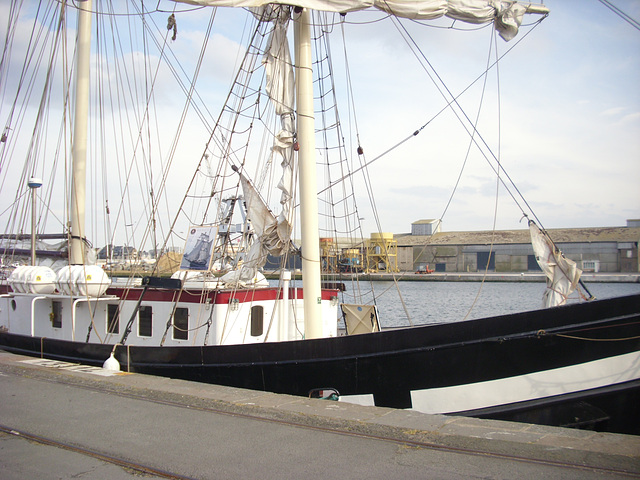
[(537, 385), (365, 399)]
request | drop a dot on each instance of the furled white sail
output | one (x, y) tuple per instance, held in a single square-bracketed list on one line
[(562, 274), (506, 14), (56, 258), (272, 234), (281, 90)]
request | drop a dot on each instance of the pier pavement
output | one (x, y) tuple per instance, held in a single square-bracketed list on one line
[(60, 420)]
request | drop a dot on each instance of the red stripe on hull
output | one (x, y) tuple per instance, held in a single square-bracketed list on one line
[(215, 296)]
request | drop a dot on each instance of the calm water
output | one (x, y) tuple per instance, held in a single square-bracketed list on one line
[(431, 302)]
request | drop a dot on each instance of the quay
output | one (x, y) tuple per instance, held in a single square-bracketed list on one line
[(474, 277), (61, 420), (498, 277)]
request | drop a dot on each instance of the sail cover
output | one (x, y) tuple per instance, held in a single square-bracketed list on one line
[(273, 234), (562, 274), (272, 237), (506, 14), (280, 88)]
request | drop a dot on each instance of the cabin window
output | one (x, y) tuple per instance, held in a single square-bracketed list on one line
[(257, 320), (181, 324), (144, 321), (56, 314), (113, 318)]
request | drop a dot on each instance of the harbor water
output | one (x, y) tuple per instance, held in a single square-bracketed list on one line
[(436, 302)]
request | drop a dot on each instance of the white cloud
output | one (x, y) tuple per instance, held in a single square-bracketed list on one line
[(613, 112), (569, 103), (630, 118)]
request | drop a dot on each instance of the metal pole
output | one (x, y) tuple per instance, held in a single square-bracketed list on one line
[(308, 183), (79, 150), (34, 183)]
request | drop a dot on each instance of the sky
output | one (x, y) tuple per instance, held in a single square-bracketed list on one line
[(569, 125), (565, 125), (567, 131)]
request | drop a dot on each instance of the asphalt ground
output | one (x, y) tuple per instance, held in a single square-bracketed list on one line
[(62, 420)]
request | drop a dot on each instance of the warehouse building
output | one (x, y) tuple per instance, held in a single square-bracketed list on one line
[(602, 249)]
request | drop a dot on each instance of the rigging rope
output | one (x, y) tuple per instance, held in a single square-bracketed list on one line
[(495, 213), (367, 181), (627, 18), (449, 105)]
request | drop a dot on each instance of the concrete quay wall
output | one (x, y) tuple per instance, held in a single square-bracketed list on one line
[(496, 277)]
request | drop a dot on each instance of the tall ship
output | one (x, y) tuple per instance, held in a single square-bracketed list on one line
[(253, 193)]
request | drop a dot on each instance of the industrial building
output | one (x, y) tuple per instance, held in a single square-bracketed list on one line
[(600, 249), (427, 247)]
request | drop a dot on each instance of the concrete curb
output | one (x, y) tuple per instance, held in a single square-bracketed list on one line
[(620, 453)]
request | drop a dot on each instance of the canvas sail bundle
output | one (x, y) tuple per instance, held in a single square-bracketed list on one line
[(280, 88), (506, 14), (272, 234), (562, 274)]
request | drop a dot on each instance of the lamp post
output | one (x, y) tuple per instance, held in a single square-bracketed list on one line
[(34, 183)]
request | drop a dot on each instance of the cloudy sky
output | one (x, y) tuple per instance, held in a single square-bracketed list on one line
[(565, 125), (566, 122), (569, 122)]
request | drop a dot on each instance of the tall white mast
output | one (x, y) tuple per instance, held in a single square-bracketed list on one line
[(308, 185), (79, 148)]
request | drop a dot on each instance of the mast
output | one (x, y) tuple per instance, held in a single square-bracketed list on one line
[(34, 183), (308, 184), (79, 148)]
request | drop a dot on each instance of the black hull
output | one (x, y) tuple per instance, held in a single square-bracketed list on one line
[(391, 364)]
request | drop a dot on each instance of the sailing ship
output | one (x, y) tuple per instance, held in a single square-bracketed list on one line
[(576, 364)]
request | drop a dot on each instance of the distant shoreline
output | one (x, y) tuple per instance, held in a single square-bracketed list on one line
[(449, 277), (477, 277)]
